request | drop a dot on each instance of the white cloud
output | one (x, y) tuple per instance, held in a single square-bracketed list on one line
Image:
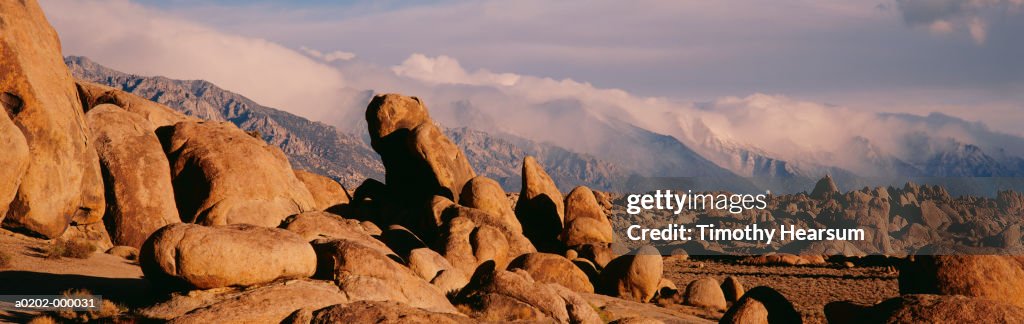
[(128, 37), (329, 56), (945, 16), (444, 69)]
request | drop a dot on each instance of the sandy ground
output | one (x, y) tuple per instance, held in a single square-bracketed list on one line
[(809, 288)]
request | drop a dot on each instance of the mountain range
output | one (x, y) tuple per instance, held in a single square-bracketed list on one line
[(605, 151)]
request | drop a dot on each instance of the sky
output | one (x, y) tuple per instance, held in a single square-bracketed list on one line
[(957, 57)]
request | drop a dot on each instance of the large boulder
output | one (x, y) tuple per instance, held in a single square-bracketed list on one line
[(382, 312), (585, 221), (732, 288), (15, 158), (486, 195), (93, 95), (194, 256), (221, 175), (140, 198), (762, 305), (705, 292), (326, 192), (517, 242), (540, 207), (633, 276), (62, 182), (365, 273), (419, 160), (466, 244), (509, 296), (993, 277), (554, 269)]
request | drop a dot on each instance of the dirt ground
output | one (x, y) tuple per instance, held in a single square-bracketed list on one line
[(809, 288)]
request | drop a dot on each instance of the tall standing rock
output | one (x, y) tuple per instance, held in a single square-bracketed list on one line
[(419, 160), (540, 207), (140, 198), (221, 175), (825, 188), (62, 181), (485, 194)]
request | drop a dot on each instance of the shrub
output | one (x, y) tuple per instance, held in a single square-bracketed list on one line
[(73, 248), (108, 309)]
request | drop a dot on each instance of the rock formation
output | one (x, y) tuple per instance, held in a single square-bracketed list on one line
[(61, 182), (221, 175), (540, 208), (193, 256), (140, 198)]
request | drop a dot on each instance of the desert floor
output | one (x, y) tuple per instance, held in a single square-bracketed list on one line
[(809, 288)]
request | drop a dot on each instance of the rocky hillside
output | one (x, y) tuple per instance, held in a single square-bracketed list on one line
[(345, 154)]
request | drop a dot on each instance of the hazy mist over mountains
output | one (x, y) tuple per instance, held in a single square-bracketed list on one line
[(754, 140)]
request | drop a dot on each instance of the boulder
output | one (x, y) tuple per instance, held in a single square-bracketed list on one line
[(993, 277), (126, 252), (62, 181), (15, 158), (93, 95), (366, 274), (508, 296), (382, 312), (540, 208), (429, 265), (705, 292), (221, 175), (516, 241), (419, 160), (598, 254), (732, 288), (585, 221), (326, 192), (486, 195), (762, 305), (316, 225), (554, 269), (402, 241), (140, 198), (193, 256), (633, 277), (916, 308), (270, 303)]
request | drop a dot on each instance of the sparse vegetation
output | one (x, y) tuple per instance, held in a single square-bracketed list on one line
[(73, 248), (108, 310)]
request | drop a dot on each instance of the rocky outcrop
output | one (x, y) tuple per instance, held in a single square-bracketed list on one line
[(382, 312), (93, 94), (992, 277), (419, 160), (62, 181), (193, 256), (221, 175), (270, 303), (540, 207), (732, 288), (140, 198), (554, 269), (925, 309), (326, 192), (825, 188), (633, 276), (365, 273), (508, 296), (316, 225)]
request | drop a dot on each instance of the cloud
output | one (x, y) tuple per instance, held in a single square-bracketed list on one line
[(129, 37), (444, 69), (330, 56), (945, 16)]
